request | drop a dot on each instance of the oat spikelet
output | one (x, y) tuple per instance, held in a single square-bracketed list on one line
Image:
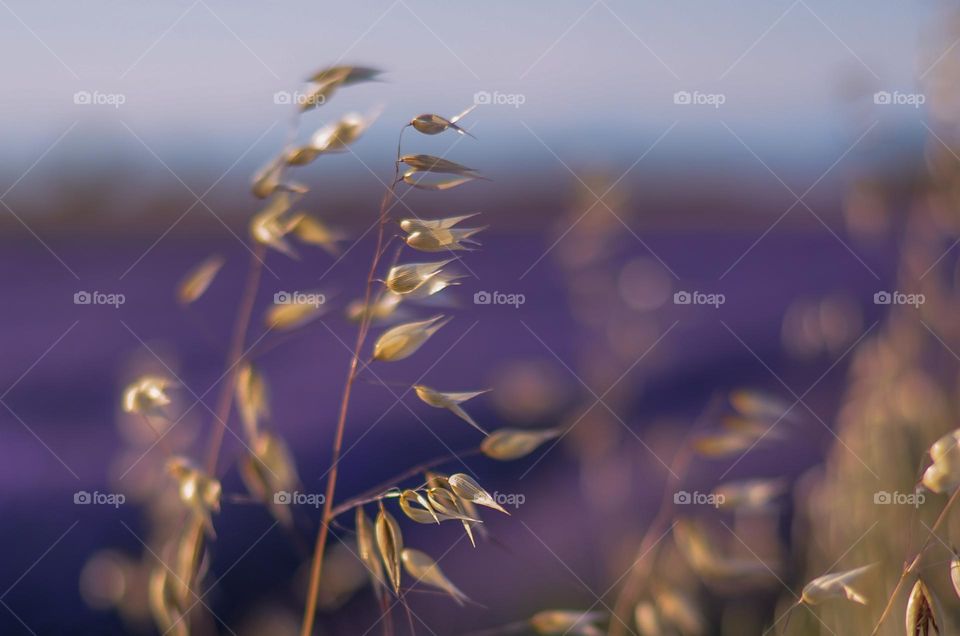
[(253, 399), (197, 280), (199, 491), (404, 279), (147, 395), (269, 468), (390, 543), (513, 443), (429, 240), (836, 585), (424, 514), (419, 225), (367, 549), (420, 566), (450, 401), (466, 487), (413, 178), (271, 225), (404, 340), (430, 124), (922, 611)]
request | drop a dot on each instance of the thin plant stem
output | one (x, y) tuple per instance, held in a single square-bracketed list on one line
[(316, 566)]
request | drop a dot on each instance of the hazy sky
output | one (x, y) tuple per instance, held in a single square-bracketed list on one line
[(198, 78)]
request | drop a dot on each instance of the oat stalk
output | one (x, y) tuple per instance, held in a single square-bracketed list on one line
[(316, 566)]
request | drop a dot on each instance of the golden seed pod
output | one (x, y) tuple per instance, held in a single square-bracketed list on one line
[(404, 340), (390, 543), (380, 309), (293, 315), (955, 573), (199, 491), (366, 547), (677, 609), (271, 225), (312, 231), (198, 279), (268, 180), (267, 469), (513, 443), (754, 404), (422, 567), (647, 620), (344, 74), (922, 611), (751, 494), (465, 487), (450, 401)]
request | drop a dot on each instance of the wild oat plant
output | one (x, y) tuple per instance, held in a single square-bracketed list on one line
[(184, 512)]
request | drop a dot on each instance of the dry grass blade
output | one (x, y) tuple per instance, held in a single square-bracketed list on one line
[(450, 401), (390, 544), (404, 340), (834, 586), (922, 611), (198, 280), (569, 622), (466, 487), (513, 443), (422, 567)]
